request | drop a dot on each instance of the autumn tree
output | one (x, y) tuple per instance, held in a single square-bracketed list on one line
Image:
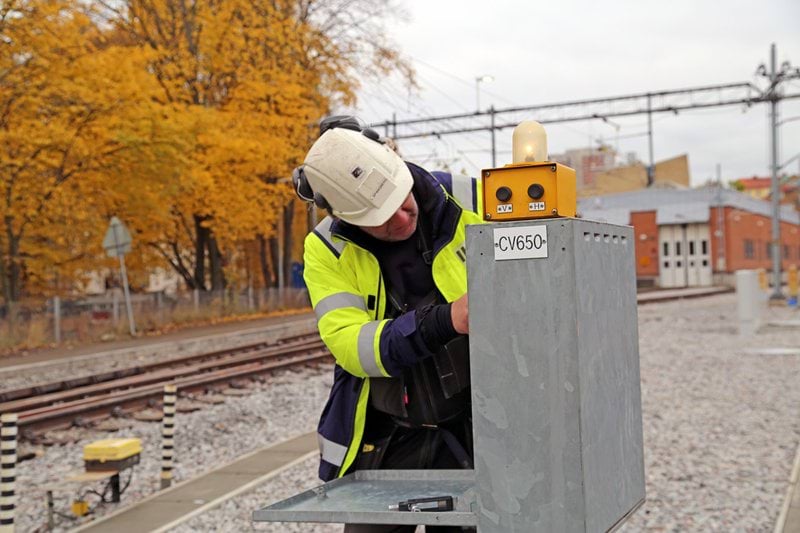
[(258, 75), (218, 62), (76, 117), (346, 43), (182, 118)]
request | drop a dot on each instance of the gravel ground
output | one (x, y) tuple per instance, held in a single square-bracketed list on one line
[(721, 427), (285, 406), (721, 424)]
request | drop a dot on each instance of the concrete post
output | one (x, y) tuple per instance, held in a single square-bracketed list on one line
[(8, 465), (51, 511), (748, 301), (196, 299), (167, 434)]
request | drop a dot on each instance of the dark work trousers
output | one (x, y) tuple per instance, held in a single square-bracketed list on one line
[(409, 449)]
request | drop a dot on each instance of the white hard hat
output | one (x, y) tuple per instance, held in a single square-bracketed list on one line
[(363, 181)]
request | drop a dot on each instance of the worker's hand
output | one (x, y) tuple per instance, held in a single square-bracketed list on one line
[(459, 314)]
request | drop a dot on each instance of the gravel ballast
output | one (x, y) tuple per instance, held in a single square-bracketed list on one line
[(286, 405), (721, 429)]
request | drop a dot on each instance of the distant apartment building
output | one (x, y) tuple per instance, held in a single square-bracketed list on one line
[(761, 188), (589, 163), (599, 171), (755, 187)]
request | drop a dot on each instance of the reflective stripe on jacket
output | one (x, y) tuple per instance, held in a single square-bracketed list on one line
[(349, 298)]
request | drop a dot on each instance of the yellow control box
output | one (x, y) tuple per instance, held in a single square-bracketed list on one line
[(112, 454), (111, 449), (529, 190)]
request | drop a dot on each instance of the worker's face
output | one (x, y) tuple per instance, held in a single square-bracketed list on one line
[(400, 226)]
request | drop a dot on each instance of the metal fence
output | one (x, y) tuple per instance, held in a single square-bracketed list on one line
[(104, 317)]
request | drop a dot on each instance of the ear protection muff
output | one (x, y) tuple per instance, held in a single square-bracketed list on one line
[(304, 191), (349, 122), (301, 185), (369, 133), (321, 202)]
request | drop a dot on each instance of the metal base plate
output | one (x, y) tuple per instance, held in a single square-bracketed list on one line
[(364, 497)]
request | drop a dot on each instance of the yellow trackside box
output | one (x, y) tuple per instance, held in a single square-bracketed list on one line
[(80, 508), (529, 190), (112, 454)]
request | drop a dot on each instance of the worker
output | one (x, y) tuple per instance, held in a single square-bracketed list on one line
[(386, 274)]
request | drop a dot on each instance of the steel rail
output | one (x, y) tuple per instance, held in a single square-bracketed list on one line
[(100, 377), (162, 372), (65, 415)]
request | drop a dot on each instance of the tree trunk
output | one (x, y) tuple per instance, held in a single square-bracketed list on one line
[(288, 218), (200, 238), (263, 260), (218, 282), (5, 266), (274, 256), (11, 264), (3, 280), (176, 262)]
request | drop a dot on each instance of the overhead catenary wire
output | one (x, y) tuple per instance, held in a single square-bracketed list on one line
[(470, 83), (660, 105), (446, 95), (637, 101), (388, 92)]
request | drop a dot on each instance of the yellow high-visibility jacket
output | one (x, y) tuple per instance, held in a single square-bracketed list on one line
[(348, 294)]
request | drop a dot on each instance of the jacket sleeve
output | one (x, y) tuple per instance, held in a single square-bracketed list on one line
[(361, 343)]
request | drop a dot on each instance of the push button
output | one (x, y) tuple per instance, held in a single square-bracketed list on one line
[(535, 191), (503, 194)]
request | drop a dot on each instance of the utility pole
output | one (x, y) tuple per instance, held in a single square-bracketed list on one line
[(478, 80), (651, 168), (773, 96), (721, 256), (494, 142)]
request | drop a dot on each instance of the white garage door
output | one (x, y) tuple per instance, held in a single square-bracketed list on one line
[(685, 255)]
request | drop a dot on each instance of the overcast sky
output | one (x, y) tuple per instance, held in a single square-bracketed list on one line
[(550, 52)]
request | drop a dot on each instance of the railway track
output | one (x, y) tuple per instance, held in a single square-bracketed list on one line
[(62, 404), (84, 400)]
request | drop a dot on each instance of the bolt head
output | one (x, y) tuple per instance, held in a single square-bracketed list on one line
[(487, 216)]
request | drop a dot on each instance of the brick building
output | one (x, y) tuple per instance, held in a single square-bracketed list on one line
[(697, 237)]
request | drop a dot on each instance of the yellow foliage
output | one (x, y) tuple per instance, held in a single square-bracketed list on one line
[(182, 119), (79, 115)]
